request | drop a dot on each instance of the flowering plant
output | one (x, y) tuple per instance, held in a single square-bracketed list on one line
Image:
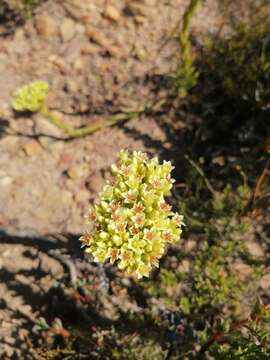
[(31, 97), (132, 223)]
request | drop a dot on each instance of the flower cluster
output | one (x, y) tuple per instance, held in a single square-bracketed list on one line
[(30, 97), (132, 223)]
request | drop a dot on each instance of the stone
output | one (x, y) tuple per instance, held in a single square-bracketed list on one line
[(184, 266), (80, 29), (56, 148), (9, 142), (72, 49), (112, 13), (190, 244), (100, 39), (265, 282), (139, 19), (78, 65), (3, 222), (89, 49), (32, 148), (136, 9), (78, 171), (219, 160), (50, 265), (141, 53), (67, 158), (5, 181), (59, 62), (255, 249), (6, 325), (45, 25), (67, 197), (20, 44), (126, 282), (44, 127), (242, 270), (67, 29), (72, 86), (97, 36), (82, 196)]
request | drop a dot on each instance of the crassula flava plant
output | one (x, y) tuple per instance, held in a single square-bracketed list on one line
[(31, 97), (132, 224)]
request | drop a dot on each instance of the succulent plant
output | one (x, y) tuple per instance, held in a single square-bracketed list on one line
[(30, 97), (132, 224)]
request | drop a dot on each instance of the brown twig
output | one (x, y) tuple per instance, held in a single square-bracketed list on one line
[(259, 183), (219, 336)]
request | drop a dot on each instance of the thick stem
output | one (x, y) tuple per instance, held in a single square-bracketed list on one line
[(55, 120), (189, 13), (90, 129), (186, 71)]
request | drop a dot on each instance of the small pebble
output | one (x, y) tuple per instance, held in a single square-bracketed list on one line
[(45, 26), (112, 13), (78, 171), (32, 148), (67, 29)]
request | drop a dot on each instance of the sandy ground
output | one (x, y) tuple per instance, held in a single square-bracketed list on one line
[(98, 57)]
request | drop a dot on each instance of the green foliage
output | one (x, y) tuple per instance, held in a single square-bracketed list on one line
[(185, 305), (186, 75), (109, 345), (133, 223), (143, 350), (204, 281), (31, 97), (213, 281), (247, 340), (242, 62)]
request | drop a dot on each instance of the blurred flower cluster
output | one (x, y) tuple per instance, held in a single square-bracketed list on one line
[(31, 97), (132, 224)]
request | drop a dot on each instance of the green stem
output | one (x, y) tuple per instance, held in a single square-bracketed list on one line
[(55, 120), (202, 174), (183, 36), (90, 129), (187, 75)]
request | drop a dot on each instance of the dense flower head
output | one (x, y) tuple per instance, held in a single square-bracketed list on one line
[(132, 224), (30, 97)]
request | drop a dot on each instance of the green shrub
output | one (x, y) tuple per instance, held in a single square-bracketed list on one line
[(186, 74), (241, 62), (245, 340)]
